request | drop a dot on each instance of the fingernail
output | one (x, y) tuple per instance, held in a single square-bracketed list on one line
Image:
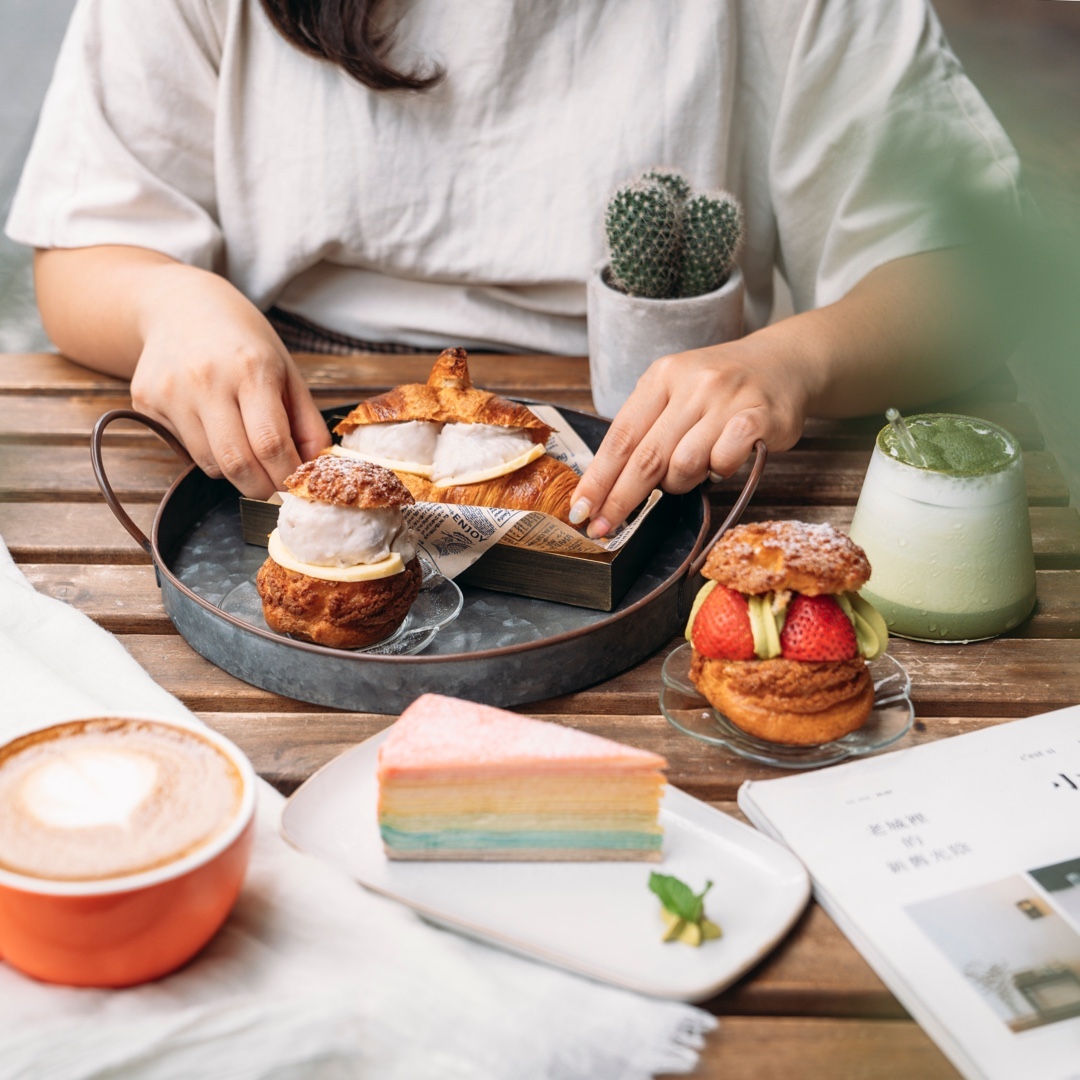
[(598, 528), (714, 477), (580, 511)]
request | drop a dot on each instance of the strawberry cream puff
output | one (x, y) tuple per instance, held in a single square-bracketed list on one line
[(780, 635)]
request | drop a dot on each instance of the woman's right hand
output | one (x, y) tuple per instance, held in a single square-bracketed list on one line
[(213, 370), (202, 359)]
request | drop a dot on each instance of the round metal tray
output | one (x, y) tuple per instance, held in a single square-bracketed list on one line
[(501, 650)]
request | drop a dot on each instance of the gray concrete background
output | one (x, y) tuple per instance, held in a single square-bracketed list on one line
[(31, 35), (1024, 55)]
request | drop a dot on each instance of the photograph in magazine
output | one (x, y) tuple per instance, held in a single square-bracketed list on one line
[(1016, 941)]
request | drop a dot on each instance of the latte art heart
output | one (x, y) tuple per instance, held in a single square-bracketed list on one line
[(87, 787), (105, 798)]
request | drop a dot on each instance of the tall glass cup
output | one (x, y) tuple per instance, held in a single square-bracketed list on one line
[(948, 535)]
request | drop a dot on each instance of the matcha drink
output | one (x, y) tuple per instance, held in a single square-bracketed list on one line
[(945, 525)]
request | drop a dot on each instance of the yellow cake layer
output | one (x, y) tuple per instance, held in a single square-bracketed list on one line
[(502, 821), (550, 795)]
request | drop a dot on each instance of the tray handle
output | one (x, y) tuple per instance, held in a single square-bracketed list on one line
[(761, 455), (99, 466)]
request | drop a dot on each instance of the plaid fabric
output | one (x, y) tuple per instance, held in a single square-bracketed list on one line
[(300, 335)]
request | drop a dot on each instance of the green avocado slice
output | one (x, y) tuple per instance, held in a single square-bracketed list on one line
[(870, 642), (876, 621), (763, 624), (772, 627)]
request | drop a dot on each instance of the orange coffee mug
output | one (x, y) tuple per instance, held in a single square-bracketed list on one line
[(124, 842)]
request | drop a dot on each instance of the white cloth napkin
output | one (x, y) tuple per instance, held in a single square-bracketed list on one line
[(312, 976)]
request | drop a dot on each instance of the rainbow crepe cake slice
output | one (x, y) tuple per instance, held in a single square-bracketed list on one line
[(464, 781)]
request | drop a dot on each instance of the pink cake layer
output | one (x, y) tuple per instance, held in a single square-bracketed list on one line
[(443, 735)]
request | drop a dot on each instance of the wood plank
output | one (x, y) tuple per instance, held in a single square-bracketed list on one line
[(288, 741), (1057, 610), (122, 599), (1006, 677), (137, 474), (142, 474), (52, 532), (50, 373), (832, 477), (287, 746), (45, 419), (126, 599), (362, 373), (796, 1048), (48, 419), (55, 418), (87, 532)]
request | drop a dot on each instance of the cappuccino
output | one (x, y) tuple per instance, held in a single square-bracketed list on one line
[(104, 798)]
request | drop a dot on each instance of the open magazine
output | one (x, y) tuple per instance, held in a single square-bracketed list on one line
[(954, 868)]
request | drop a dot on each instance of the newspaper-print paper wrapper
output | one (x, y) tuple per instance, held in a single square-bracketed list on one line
[(453, 537)]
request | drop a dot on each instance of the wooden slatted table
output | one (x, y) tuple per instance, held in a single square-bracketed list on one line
[(813, 1009)]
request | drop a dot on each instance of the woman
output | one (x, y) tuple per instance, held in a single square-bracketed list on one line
[(208, 173)]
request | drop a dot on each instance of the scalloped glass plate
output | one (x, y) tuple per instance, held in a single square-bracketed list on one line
[(691, 714), (437, 605)]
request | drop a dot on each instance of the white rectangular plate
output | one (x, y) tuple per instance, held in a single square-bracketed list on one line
[(598, 919)]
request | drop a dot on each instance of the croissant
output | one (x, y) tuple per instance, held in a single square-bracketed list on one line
[(544, 484), (447, 397)]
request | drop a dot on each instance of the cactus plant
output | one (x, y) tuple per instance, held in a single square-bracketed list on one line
[(644, 228), (666, 242), (673, 180), (712, 229)]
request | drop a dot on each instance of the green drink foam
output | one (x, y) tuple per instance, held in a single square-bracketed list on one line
[(954, 445)]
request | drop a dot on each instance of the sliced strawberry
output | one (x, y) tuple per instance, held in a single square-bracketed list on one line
[(816, 628), (721, 630)]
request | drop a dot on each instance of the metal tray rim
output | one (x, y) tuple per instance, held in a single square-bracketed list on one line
[(609, 618)]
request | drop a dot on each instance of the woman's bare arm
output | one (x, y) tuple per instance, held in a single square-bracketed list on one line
[(201, 357), (909, 332)]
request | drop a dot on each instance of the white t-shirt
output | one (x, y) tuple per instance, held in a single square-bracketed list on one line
[(472, 213)]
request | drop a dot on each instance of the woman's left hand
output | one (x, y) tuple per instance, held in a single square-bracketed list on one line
[(692, 415)]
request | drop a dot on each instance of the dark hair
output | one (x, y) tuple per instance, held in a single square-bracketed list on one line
[(347, 33)]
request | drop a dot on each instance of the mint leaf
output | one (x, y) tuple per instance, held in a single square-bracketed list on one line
[(678, 897)]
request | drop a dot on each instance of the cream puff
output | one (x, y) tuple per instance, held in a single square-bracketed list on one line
[(342, 569), (780, 636)]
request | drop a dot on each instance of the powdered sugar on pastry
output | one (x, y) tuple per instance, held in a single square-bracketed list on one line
[(767, 556)]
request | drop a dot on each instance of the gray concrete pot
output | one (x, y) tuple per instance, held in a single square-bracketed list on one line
[(627, 333)]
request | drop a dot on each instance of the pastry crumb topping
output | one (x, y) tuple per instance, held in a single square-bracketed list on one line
[(348, 482), (773, 556)]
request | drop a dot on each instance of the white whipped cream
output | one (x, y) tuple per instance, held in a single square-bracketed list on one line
[(329, 535), (465, 449), (396, 444), (89, 787)]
